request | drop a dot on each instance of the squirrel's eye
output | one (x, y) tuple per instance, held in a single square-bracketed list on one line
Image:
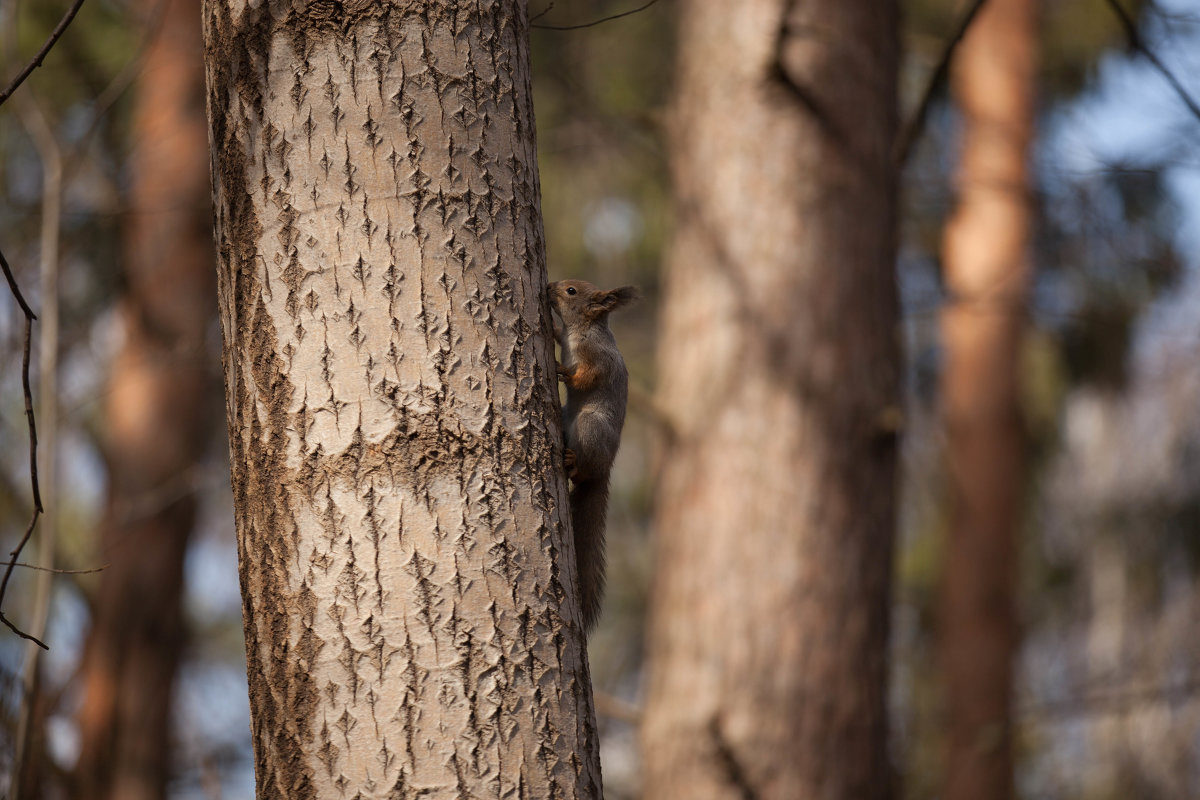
[(570, 290)]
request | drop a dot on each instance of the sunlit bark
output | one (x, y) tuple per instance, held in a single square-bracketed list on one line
[(407, 576)]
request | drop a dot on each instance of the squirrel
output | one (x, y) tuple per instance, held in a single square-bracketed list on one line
[(597, 389)]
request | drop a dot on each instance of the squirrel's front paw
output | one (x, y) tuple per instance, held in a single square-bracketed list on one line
[(564, 373), (569, 462)]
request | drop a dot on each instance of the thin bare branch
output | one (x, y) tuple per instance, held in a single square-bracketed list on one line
[(22, 633), (41, 54), (541, 13), (29, 417), (57, 571), (1134, 37), (8, 573), (25, 387), (16, 290), (110, 95), (915, 126), (593, 23)]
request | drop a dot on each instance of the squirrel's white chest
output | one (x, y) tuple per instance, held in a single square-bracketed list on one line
[(570, 346)]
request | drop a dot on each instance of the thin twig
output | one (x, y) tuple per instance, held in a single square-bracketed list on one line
[(29, 416), (57, 571), (541, 13), (16, 291), (25, 388), (593, 22), (8, 572), (41, 54), (32, 422), (113, 91), (915, 126), (1136, 43)]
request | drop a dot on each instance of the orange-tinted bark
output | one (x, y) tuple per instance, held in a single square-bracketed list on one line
[(987, 273), (161, 404)]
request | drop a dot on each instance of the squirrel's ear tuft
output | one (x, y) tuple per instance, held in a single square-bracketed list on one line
[(613, 299), (623, 296)]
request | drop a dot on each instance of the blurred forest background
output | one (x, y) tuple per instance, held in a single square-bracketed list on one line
[(105, 212)]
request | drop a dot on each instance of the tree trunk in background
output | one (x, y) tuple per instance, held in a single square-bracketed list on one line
[(161, 407), (987, 276), (779, 363), (407, 573)]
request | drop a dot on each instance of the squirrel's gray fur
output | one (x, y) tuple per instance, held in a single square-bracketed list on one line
[(597, 389)]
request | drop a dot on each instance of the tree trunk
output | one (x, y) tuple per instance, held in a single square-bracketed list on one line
[(411, 622), (987, 275), (779, 365), (162, 404)]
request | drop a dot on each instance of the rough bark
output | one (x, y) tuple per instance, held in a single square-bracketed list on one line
[(987, 276), (411, 622), (161, 408), (779, 363)]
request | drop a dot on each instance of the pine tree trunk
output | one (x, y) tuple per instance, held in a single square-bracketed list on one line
[(407, 575), (162, 404), (779, 364), (987, 275)]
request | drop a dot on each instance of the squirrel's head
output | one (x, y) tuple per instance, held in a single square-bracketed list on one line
[(579, 301)]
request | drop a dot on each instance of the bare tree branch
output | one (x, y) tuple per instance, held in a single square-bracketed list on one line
[(1136, 43), (33, 473), (593, 22), (915, 126), (111, 93), (20, 298), (541, 14), (41, 54), (4, 584), (57, 571)]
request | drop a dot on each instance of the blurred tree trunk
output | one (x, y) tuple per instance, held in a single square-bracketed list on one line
[(987, 276), (779, 364), (160, 410), (407, 573)]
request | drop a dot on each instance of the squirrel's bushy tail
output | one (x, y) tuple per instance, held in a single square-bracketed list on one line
[(589, 507)]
